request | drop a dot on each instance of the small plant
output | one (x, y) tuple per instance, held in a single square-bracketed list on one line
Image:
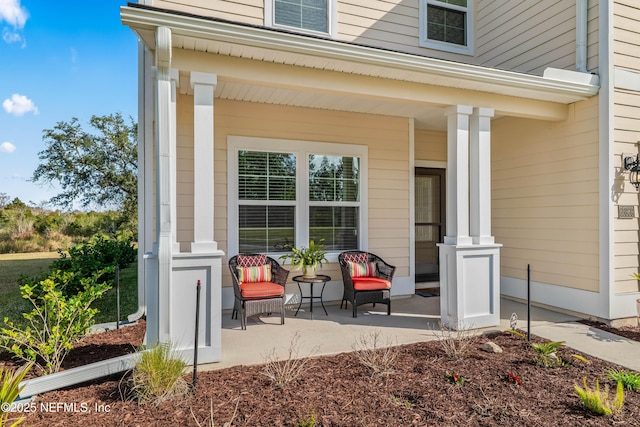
[(283, 372), (598, 401), (456, 379), (456, 344), (547, 354), (513, 378), (9, 391), (401, 402), (379, 357), (210, 422), (630, 380), (306, 259), (581, 358), (517, 333), (157, 376), (56, 322), (310, 421)]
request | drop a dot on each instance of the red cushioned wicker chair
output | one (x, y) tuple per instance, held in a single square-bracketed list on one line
[(258, 297), (374, 289)]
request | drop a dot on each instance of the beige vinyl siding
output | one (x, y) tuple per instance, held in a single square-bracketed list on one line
[(388, 167), (626, 34), (244, 11), (545, 197), (526, 36), (626, 124), (430, 145)]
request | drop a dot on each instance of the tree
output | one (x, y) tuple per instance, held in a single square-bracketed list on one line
[(92, 168)]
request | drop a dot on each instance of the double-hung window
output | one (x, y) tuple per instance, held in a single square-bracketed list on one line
[(285, 192), (447, 25), (314, 16)]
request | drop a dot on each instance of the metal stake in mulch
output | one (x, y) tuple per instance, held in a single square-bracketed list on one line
[(117, 297), (528, 302), (195, 343)]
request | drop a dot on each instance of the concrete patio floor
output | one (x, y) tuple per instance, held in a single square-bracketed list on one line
[(413, 319)]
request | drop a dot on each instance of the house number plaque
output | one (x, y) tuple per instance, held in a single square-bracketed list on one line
[(626, 211)]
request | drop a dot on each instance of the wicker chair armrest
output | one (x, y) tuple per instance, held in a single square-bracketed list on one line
[(385, 270), (346, 276), (279, 274)]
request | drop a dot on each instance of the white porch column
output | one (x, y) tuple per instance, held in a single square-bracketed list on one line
[(469, 259), (480, 176), (175, 246), (159, 304), (203, 163), (458, 175)]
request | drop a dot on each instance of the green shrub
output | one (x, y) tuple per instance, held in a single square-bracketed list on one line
[(630, 380), (547, 354), (100, 253), (55, 323), (598, 401), (158, 376), (9, 391)]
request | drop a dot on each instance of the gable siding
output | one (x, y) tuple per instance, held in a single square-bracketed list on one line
[(545, 207), (626, 111), (518, 35)]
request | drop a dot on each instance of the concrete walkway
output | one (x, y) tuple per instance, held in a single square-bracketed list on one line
[(413, 319)]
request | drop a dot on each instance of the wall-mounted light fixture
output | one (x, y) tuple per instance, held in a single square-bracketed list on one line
[(632, 164)]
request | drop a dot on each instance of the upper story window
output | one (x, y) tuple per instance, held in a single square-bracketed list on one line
[(447, 25), (313, 16)]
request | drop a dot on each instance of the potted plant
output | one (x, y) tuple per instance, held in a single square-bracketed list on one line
[(306, 259)]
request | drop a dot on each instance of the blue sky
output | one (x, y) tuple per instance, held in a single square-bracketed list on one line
[(58, 60)]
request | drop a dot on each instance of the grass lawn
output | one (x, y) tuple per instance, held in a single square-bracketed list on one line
[(14, 266)]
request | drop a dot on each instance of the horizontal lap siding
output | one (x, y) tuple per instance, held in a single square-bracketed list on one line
[(526, 36), (626, 109), (245, 11), (545, 197), (430, 145), (388, 144)]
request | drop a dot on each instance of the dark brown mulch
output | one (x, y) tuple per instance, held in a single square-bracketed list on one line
[(340, 391), (630, 332)]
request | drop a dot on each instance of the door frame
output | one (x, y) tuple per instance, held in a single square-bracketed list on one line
[(437, 168)]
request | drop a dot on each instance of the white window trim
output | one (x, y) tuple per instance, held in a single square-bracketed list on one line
[(444, 46), (302, 149), (332, 24)]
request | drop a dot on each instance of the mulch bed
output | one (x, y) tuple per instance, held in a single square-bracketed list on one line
[(340, 391), (630, 332)]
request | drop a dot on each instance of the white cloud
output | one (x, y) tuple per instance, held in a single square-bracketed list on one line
[(18, 105), (12, 13), (7, 147), (15, 16)]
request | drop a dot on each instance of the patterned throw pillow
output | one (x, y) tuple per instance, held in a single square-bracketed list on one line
[(361, 257), (362, 269), (252, 260), (254, 274)]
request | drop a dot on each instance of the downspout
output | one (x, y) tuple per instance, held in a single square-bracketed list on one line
[(581, 36)]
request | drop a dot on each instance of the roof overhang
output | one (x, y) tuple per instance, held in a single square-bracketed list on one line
[(191, 32)]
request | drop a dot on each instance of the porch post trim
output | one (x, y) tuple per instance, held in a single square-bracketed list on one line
[(480, 176), (164, 191), (203, 85), (458, 175), (175, 82)]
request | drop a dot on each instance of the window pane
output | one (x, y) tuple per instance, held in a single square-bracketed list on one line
[(338, 226), (307, 14), (446, 25), (266, 176), (334, 178), (265, 228)]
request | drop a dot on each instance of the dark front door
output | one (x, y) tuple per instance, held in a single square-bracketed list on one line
[(429, 222)]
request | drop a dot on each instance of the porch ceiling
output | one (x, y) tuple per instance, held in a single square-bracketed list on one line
[(268, 46)]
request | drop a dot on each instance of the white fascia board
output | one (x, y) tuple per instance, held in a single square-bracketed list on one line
[(453, 74)]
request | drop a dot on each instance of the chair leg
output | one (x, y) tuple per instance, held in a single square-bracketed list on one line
[(355, 308), (234, 314), (389, 308)]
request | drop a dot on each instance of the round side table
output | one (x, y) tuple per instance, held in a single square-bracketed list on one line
[(320, 278)]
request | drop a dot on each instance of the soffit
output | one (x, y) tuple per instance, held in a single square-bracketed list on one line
[(199, 34)]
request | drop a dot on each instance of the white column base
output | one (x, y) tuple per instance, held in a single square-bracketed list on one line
[(187, 270), (204, 247), (469, 286)]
